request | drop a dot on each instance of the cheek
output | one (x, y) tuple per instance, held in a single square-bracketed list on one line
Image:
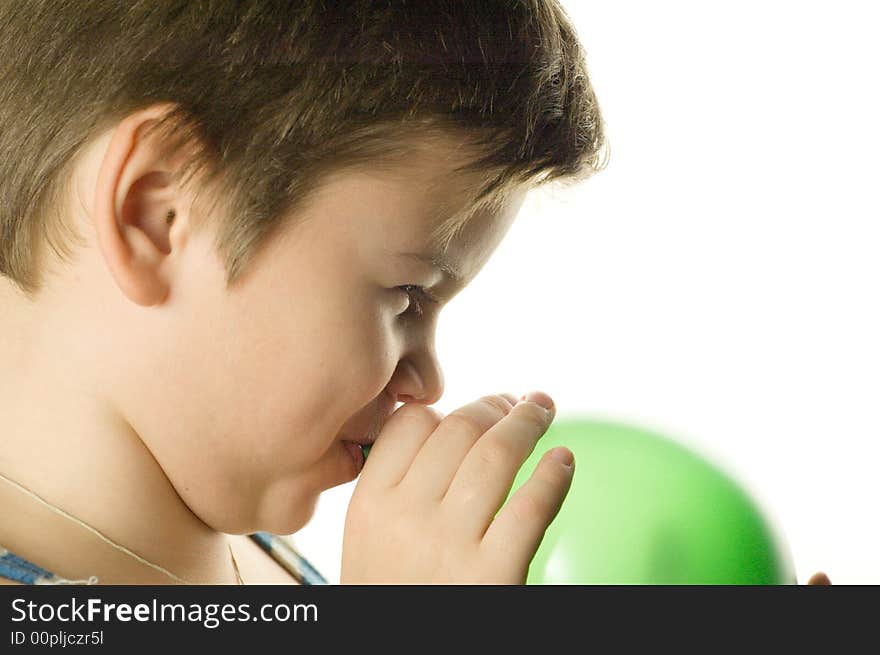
[(313, 381), (273, 397), (299, 366)]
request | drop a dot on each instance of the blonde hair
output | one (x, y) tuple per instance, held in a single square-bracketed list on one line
[(267, 98)]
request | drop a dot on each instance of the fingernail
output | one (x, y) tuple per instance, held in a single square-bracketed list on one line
[(540, 398), (562, 455)]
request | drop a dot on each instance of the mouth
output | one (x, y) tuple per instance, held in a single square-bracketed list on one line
[(358, 448), (366, 440), (359, 441), (355, 451)]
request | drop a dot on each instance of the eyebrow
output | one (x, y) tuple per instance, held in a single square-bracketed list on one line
[(436, 261)]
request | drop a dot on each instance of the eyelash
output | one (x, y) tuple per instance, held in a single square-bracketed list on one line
[(420, 292)]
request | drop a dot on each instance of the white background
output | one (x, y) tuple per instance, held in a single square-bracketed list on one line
[(718, 281)]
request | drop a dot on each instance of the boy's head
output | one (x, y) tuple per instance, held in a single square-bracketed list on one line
[(301, 152)]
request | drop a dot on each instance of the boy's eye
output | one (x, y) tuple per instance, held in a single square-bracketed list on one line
[(418, 297)]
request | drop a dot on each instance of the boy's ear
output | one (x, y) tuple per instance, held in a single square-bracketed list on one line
[(133, 199)]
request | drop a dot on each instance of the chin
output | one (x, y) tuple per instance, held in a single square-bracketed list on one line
[(291, 521), (284, 515)]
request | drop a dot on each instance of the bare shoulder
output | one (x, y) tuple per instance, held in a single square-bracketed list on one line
[(7, 581)]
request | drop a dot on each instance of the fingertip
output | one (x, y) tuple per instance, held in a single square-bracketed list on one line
[(563, 455)]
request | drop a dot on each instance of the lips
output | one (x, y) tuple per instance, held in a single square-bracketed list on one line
[(357, 455), (355, 445), (355, 436)]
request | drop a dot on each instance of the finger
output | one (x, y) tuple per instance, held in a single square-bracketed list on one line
[(520, 525), (401, 438), (510, 397), (819, 579), (485, 476), (441, 456)]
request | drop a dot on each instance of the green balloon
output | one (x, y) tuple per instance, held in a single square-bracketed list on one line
[(643, 509)]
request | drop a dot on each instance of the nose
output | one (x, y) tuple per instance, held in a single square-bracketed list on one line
[(417, 380)]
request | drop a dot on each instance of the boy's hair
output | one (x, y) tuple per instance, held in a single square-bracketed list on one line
[(269, 97)]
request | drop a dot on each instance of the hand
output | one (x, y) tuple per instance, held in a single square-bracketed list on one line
[(424, 509), (819, 579)]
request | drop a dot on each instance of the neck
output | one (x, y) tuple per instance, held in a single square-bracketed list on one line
[(62, 441)]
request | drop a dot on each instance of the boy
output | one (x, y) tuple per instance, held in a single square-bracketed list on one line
[(227, 232)]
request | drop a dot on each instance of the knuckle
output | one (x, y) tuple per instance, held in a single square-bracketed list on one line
[(496, 452), (459, 420), (435, 414), (411, 411), (498, 403)]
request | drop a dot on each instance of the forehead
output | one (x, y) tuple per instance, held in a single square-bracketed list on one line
[(448, 231), (429, 168), (447, 200), (417, 202)]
